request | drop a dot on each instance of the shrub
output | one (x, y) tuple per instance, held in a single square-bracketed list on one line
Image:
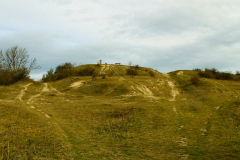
[(63, 67), (215, 74), (195, 80), (49, 76), (238, 73), (8, 77), (152, 74), (132, 71), (197, 69), (87, 71), (63, 71), (224, 75), (137, 66), (66, 70), (206, 74), (213, 70)]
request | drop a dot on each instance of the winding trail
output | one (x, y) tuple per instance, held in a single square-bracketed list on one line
[(174, 91), (30, 100), (23, 92), (45, 89), (181, 140)]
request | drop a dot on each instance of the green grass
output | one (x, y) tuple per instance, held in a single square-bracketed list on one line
[(99, 120)]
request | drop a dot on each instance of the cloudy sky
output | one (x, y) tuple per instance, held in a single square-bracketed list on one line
[(166, 35)]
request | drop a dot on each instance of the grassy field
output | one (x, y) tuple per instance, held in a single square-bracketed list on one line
[(121, 117)]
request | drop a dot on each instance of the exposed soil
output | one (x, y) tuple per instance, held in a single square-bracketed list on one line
[(76, 84), (23, 92), (174, 91)]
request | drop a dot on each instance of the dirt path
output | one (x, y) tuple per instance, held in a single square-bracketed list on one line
[(180, 73), (30, 100), (23, 92), (77, 84), (104, 68), (142, 88), (181, 140), (45, 89), (174, 91), (115, 70)]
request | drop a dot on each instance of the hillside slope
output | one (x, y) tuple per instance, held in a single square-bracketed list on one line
[(121, 117)]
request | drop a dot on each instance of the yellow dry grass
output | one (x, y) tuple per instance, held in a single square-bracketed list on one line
[(121, 117)]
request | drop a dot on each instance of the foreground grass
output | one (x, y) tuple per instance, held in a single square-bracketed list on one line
[(98, 121)]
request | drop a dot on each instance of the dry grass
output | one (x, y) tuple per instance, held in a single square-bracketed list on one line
[(101, 119)]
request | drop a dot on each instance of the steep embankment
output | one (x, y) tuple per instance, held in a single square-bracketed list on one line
[(121, 117)]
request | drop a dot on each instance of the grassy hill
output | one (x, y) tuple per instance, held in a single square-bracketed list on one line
[(121, 117)]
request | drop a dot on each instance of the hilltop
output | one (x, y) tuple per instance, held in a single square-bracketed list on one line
[(116, 116)]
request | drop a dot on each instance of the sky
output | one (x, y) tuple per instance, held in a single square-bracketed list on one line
[(165, 35)]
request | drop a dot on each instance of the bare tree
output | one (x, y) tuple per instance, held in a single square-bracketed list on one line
[(130, 63), (15, 59)]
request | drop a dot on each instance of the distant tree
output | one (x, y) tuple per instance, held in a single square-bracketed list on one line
[(238, 73), (15, 65), (130, 63), (15, 59), (64, 67), (49, 76)]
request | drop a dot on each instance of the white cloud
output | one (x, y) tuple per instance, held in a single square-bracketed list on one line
[(165, 35)]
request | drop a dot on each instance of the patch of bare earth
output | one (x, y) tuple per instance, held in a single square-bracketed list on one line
[(23, 92), (174, 91), (77, 84), (45, 89), (104, 68), (180, 73)]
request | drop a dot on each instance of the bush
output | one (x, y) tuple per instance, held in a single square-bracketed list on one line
[(195, 80), (49, 76), (197, 69), (132, 71), (152, 74), (215, 74), (8, 77), (66, 70), (224, 75), (87, 71), (238, 73), (137, 66), (63, 67), (206, 74)]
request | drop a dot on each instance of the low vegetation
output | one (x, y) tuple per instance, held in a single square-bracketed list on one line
[(179, 115), (151, 73), (132, 70), (67, 70), (215, 74), (195, 80)]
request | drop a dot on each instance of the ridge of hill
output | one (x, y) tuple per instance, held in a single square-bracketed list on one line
[(121, 117)]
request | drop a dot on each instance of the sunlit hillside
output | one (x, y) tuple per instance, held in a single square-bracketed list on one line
[(116, 116)]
